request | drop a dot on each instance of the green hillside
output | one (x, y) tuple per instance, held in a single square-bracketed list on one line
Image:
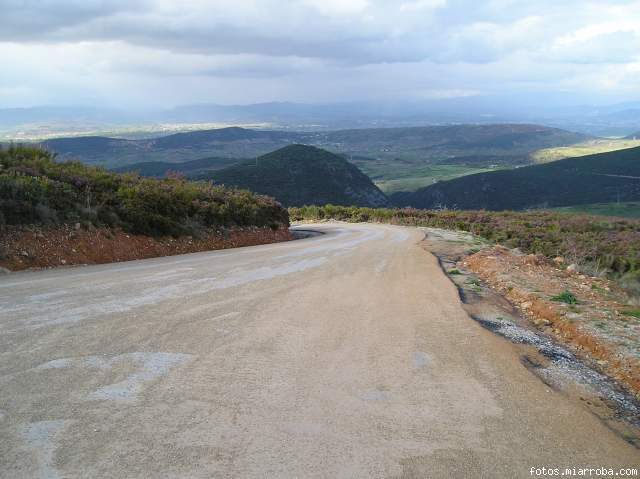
[(601, 178), (629, 209), (298, 175), (230, 142), (396, 159), (34, 189), (160, 169)]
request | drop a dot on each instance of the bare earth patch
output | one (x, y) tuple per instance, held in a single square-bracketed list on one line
[(586, 312), (577, 333), (39, 247)]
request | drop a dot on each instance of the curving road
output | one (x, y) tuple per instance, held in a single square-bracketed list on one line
[(346, 355)]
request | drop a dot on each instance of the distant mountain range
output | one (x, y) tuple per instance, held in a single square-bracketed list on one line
[(614, 119), (299, 175), (601, 178)]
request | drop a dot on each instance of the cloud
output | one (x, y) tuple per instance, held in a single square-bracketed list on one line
[(337, 7), (421, 5), (259, 50)]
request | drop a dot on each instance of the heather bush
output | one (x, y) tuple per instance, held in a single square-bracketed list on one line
[(35, 189), (599, 244)]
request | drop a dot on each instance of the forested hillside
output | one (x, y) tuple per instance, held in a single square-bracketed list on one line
[(601, 178), (300, 175)]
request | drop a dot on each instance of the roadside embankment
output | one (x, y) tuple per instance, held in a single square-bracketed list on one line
[(579, 334), (65, 213), (593, 315), (27, 247)]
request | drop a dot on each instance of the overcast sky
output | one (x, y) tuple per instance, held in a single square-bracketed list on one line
[(162, 53)]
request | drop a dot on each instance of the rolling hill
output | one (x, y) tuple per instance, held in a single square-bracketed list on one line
[(303, 175), (600, 178), (159, 169), (230, 142), (458, 144), (89, 149), (397, 159)]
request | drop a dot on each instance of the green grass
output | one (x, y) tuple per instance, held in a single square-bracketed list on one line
[(634, 313), (391, 179), (566, 297), (582, 149), (598, 289), (454, 271), (628, 209)]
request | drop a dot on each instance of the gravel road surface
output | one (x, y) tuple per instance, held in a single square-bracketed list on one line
[(344, 355)]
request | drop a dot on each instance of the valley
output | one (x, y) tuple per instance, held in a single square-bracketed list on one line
[(591, 147), (396, 159)]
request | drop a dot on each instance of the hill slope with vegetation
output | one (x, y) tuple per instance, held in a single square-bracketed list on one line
[(599, 245), (395, 158), (35, 189), (298, 175), (601, 178), (160, 169), (232, 142)]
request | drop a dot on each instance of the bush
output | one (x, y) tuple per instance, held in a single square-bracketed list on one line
[(565, 297), (34, 188), (599, 244)]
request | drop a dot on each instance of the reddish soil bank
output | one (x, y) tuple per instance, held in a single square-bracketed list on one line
[(600, 325), (44, 247)]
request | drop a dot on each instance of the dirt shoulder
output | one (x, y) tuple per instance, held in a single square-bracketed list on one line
[(41, 247), (578, 333), (591, 314)]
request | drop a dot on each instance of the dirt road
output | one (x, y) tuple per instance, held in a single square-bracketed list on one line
[(346, 355)]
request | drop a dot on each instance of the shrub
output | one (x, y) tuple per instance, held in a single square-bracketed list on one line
[(599, 244), (34, 188), (565, 297)]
